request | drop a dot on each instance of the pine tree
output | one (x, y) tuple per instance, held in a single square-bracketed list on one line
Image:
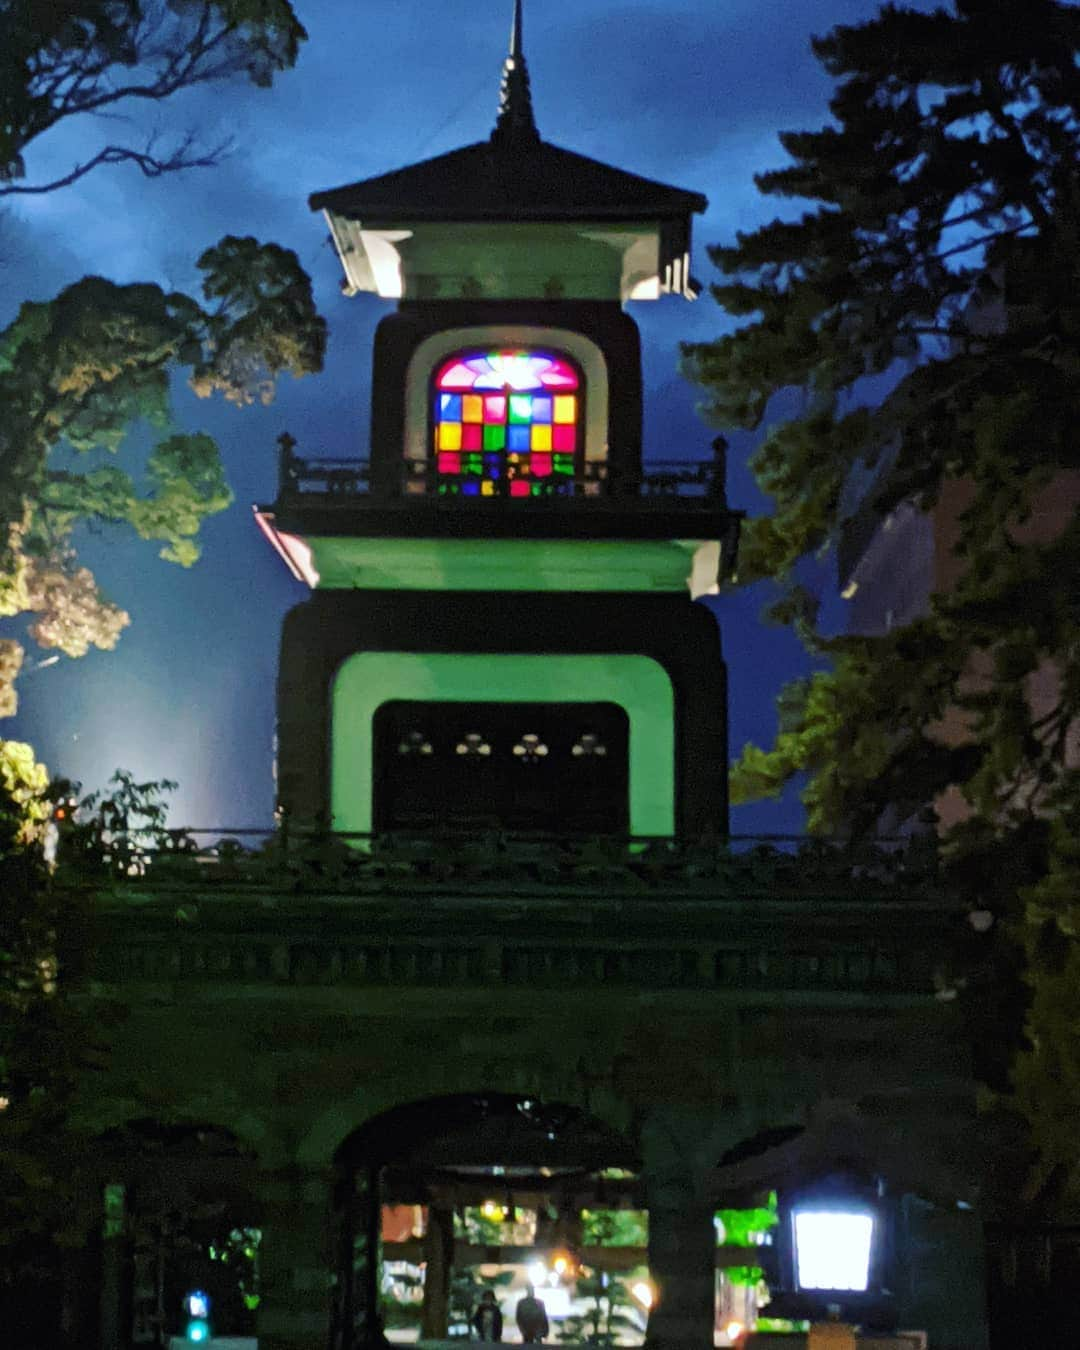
[(940, 259)]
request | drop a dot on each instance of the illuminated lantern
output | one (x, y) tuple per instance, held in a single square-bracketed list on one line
[(832, 1248), (834, 1251)]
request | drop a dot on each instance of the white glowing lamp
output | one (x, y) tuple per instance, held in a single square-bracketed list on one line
[(833, 1248)]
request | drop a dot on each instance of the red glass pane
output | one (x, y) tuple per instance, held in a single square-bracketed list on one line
[(519, 488), (472, 436), (564, 438), (449, 463), (541, 465)]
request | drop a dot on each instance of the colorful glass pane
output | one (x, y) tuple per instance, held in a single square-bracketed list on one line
[(457, 376), (507, 423)]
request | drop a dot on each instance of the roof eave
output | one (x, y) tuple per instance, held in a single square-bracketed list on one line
[(371, 212)]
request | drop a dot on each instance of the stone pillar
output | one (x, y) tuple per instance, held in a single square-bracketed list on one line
[(682, 1265), (294, 1264), (439, 1259), (680, 1147)]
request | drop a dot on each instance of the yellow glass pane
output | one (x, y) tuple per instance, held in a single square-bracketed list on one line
[(487, 488), (541, 438), (565, 408), (449, 435), (472, 408)]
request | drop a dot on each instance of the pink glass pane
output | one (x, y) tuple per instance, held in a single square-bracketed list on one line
[(495, 408), (559, 376), (455, 376), (519, 488), (541, 465), (449, 463), (520, 370), (564, 438), (472, 436)]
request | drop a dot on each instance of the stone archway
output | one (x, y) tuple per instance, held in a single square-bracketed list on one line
[(546, 1163)]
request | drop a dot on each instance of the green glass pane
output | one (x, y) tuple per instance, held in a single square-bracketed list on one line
[(520, 407), (495, 438)]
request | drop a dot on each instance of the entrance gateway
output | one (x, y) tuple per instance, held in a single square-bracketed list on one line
[(501, 949)]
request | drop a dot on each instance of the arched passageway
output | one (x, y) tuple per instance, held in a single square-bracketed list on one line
[(440, 1200)]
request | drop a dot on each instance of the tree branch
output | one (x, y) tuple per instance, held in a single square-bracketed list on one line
[(151, 165)]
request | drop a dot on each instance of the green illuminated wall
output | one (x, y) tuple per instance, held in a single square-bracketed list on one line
[(347, 563), (637, 684)]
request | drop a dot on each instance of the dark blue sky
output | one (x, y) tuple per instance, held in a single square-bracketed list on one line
[(692, 93)]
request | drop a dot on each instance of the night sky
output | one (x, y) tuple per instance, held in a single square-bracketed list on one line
[(689, 93)]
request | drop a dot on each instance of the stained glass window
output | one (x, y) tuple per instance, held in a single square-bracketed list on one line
[(507, 424)]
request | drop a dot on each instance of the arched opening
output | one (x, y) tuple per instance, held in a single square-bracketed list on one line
[(456, 1204), (181, 1228)]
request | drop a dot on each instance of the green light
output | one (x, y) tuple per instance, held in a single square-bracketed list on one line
[(198, 1331), (556, 566), (637, 684)]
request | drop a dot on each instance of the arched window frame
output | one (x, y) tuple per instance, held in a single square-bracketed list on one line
[(435, 350)]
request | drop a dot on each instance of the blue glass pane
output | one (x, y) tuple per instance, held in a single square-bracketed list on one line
[(450, 407), (518, 438), (541, 409), (471, 489)]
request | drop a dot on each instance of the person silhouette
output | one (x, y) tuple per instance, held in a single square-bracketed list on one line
[(487, 1319), (531, 1317)]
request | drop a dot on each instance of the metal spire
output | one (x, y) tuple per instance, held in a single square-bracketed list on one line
[(515, 126)]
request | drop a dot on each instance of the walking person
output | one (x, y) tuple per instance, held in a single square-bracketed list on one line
[(531, 1317)]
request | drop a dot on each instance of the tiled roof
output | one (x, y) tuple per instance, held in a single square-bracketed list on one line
[(509, 182)]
